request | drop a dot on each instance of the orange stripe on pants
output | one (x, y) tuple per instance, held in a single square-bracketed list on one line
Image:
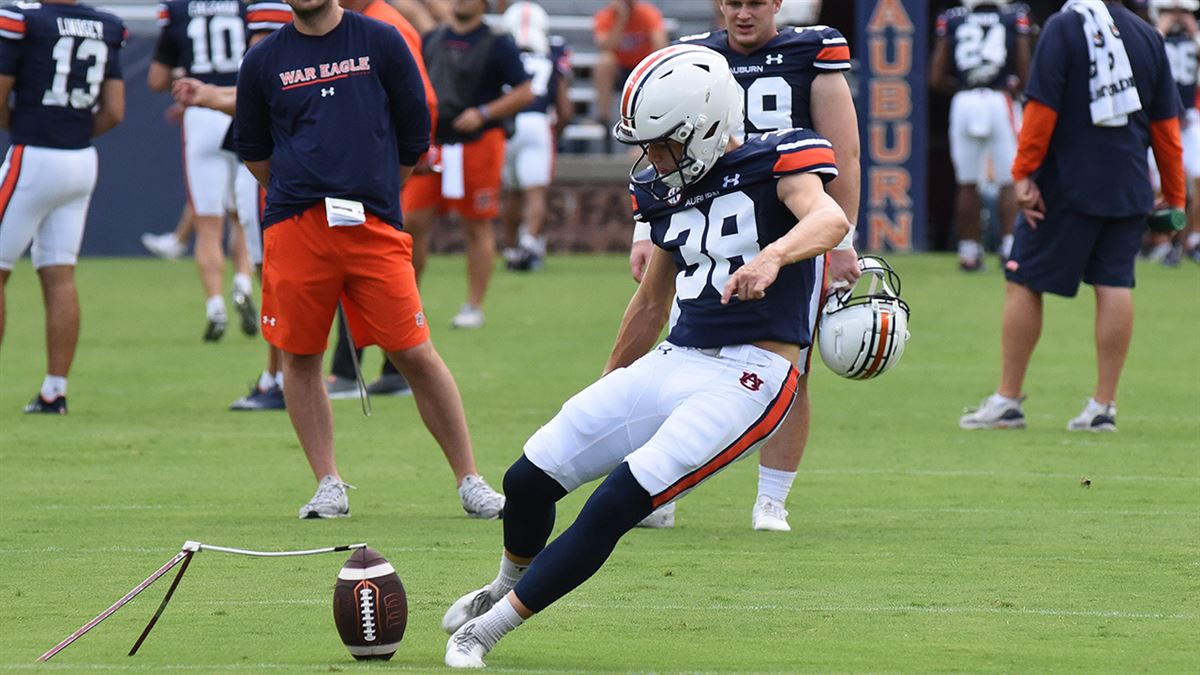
[(9, 186)]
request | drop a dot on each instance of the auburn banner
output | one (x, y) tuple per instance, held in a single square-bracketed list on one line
[(893, 38)]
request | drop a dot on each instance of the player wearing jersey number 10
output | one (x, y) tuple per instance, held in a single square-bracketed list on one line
[(730, 222)]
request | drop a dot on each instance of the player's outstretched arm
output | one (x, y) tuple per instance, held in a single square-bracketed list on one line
[(646, 314), (822, 224), (112, 107)]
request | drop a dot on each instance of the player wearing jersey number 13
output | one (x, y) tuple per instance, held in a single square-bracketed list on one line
[(663, 419)]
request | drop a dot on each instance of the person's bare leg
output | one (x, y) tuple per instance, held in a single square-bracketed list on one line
[(511, 211), (239, 254), (417, 224), (784, 450), (1006, 205), (308, 407), (62, 317), (967, 208), (1114, 331), (604, 75), (4, 274), (210, 259), (1019, 335), (185, 227), (481, 258), (438, 403), (535, 210), (274, 360)]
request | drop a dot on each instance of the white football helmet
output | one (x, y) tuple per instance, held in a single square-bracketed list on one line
[(862, 335), (527, 22), (972, 4), (1185, 5), (683, 93), (798, 13)]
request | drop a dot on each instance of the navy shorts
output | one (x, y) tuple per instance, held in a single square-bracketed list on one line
[(1068, 247)]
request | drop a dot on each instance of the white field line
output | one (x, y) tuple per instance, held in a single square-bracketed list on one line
[(984, 473), (333, 665)]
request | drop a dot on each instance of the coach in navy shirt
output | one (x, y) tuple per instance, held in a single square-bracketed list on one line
[(1100, 93), (331, 118)]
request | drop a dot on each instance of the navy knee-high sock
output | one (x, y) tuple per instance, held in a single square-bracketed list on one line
[(529, 496), (613, 509)]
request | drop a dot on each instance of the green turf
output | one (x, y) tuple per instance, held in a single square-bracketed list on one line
[(916, 547)]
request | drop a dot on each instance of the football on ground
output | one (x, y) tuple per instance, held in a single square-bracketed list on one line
[(369, 606)]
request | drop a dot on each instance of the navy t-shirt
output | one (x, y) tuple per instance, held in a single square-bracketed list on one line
[(336, 114), (1100, 171), (60, 56), (206, 38), (719, 224), (778, 76)]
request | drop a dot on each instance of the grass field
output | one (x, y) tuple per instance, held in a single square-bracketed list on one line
[(916, 547)]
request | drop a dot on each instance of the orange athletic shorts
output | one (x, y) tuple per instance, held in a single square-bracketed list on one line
[(309, 266), (483, 164)]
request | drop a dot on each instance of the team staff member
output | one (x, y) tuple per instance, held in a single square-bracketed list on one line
[(342, 382), (50, 171), (342, 92), (470, 65), (1081, 181), (805, 88)]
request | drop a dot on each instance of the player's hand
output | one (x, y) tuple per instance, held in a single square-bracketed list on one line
[(639, 258), (173, 113), (469, 121), (1029, 198), (186, 90), (843, 268), (751, 280)]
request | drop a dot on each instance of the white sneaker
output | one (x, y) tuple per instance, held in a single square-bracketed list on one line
[(662, 518), (464, 649), (468, 607), (469, 317), (164, 245), (479, 500), (329, 501), (994, 413), (1095, 417), (769, 515)]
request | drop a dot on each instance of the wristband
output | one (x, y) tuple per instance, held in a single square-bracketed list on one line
[(484, 112), (847, 242), (641, 231)]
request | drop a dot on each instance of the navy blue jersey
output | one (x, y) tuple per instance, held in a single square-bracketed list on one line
[(983, 43), (336, 114), (1100, 171), (720, 223), (778, 76), (547, 72), (1184, 56), (59, 55), (206, 38)]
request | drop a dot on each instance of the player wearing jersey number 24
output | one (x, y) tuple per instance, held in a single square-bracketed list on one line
[(729, 220)]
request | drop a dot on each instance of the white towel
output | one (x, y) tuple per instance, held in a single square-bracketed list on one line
[(1114, 92), (453, 172)]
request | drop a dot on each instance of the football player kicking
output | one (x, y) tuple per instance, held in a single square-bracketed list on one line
[(723, 215), (792, 78), (58, 62)]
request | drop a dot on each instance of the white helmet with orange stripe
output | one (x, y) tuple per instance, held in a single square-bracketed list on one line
[(862, 335), (683, 93), (528, 23)]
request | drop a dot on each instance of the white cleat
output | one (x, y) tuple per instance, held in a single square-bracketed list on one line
[(479, 500), (330, 500), (662, 518), (464, 649), (469, 317), (469, 606), (164, 245), (1095, 417), (994, 413), (769, 515)]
